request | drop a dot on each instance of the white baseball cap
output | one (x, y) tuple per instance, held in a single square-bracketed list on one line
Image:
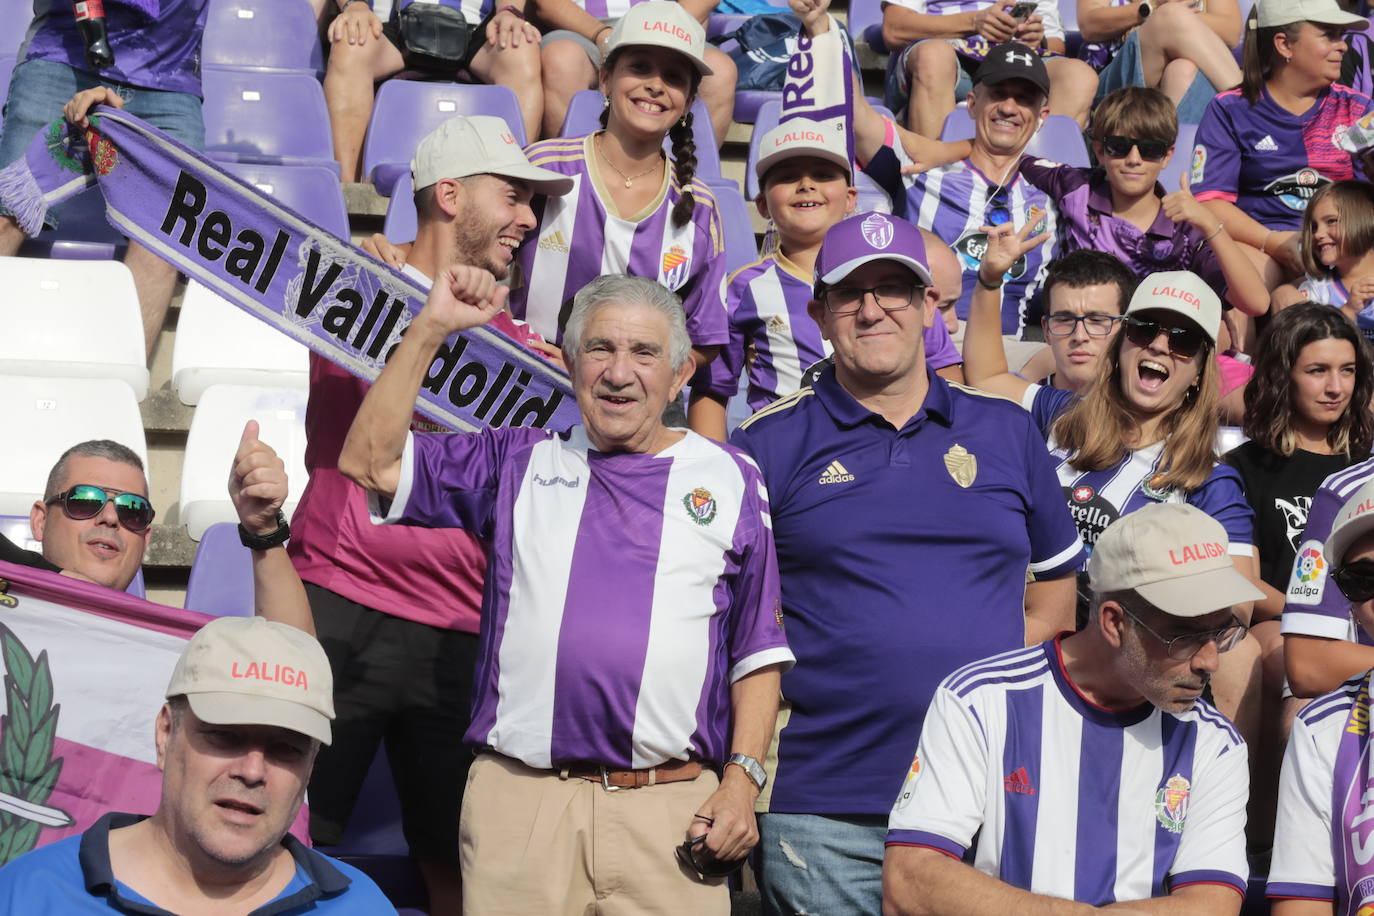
[(802, 137), (662, 24), (253, 671), (1327, 12), (479, 145), (1355, 518), (1182, 292), (1174, 556)]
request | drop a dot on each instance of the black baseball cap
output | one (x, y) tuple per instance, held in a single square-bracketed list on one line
[(1013, 61)]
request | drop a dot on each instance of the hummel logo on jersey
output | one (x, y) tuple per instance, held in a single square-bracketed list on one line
[(554, 241), (1267, 145), (1019, 782), (836, 473)]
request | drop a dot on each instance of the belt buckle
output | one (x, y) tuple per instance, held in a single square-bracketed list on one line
[(606, 780)]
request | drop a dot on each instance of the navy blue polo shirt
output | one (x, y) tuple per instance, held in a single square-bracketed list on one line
[(903, 555), (73, 876)]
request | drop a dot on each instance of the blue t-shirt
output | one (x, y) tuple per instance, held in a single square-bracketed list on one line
[(151, 52), (1098, 498), (902, 554), (73, 876)]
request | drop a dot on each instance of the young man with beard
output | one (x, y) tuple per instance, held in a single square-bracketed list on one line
[(397, 608)]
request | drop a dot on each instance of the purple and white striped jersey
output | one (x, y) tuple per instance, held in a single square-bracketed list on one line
[(607, 9), (1314, 606), (767, 304), (1303, 866), (1070, 799), (624, 592), (976, 46), (953, 202), (474, 11), (580, 238)]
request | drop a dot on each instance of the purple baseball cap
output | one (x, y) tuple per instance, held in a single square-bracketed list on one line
[(853, 242)]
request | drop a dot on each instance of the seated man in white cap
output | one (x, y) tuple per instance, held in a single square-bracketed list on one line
[(1088, 768), (1322, 838), (247, 708)]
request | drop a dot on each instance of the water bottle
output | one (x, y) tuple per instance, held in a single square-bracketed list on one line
[(90, 18)]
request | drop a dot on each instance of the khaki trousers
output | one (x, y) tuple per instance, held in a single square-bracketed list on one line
[(535, 843)]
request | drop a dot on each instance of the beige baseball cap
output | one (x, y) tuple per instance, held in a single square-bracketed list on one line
[(662, 24), (1326, 12), (1355, 518), (479, 145), (1174, 556), (802, 137), (1182, 292), (253, 671)]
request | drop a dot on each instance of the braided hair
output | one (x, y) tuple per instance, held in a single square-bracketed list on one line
[(684, 146)]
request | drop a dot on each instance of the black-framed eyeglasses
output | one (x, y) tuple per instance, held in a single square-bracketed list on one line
[(1355, 580), (997, 211), (86, 500), (1184, 342), (1094, 325), (891, 297), (1120, 147), (694, 854), (1182, 648)]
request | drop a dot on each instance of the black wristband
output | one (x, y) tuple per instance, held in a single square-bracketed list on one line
[(266, 541), (986, 285), (510, 9)]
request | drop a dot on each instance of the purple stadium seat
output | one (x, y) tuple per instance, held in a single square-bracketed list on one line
[(313, 191), (276, 118), (401, 219), (17, 14), (1060, 139), (866, 23), (221, 581), (584, 116), (16, 528), (7, 63), (1182, 160), (407, 110), (741, 247), (262, 35), (871, 197)]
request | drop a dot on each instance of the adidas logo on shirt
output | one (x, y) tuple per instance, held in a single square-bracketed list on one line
[(777, 324), (836, 473), (1267, 145), (554, 241), (1019, 782)]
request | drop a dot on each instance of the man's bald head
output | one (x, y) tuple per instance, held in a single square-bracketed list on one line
[(948, 277)]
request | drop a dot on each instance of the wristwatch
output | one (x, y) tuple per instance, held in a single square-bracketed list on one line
[(1144, 9), (751, 767), (266, 541)]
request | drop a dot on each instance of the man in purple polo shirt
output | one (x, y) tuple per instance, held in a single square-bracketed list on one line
[(919, 526), (631, 627)]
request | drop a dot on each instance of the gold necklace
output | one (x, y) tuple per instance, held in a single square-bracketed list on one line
[(628, 179)]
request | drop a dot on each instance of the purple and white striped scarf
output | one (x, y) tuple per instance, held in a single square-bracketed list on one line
[(269, 261)]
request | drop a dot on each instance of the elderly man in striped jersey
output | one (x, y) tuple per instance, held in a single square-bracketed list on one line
[(1088, 767), (631, 628)]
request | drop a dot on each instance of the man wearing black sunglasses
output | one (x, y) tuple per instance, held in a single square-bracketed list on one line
[(1092, 765)]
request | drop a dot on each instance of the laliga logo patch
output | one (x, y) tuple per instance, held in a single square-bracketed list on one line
[(1310, 565), (1171, 803), (675, 267), (1199, 161), (909, 784), (1308, 582), (877, 230)]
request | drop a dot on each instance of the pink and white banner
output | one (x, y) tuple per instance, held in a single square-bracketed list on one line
[(85, 670)]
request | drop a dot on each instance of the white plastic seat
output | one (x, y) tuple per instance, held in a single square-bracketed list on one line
[(45, 416), (74, 319), (216, 430), (218, 343)]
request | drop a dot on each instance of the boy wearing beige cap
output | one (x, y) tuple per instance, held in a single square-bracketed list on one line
[(1092, 766), (249, 704)]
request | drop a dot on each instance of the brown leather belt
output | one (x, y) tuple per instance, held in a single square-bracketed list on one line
[(672, 771)]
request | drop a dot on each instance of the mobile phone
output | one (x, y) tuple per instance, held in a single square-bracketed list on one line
[(1023, 10)]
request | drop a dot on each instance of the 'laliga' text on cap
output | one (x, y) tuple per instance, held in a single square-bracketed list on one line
[(479, 145), (1174, 556), (857, 240), (662, 24), (802, 137), (252, 671), (1181, 292)]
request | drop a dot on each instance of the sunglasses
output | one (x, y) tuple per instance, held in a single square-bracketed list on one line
[(998, 209), (694, 854), (85, 501), (1184, 343), (1120, 148), (1355, 580)]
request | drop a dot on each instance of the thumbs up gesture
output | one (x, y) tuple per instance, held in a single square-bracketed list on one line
[(257, 482), (1182, 207)]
